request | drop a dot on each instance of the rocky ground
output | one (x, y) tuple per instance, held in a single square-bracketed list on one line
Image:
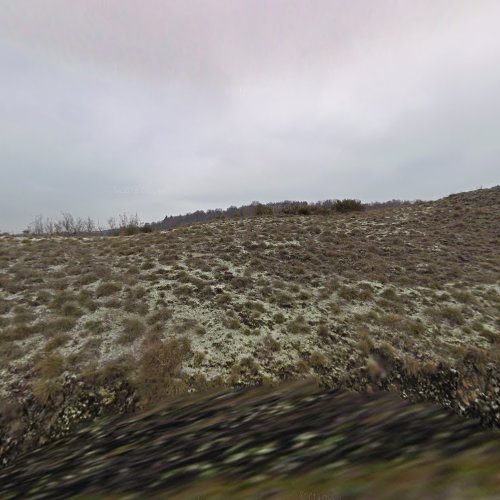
[(401, 299), (291, 442)]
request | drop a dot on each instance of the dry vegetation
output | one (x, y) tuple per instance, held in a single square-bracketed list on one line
[(257, 300)]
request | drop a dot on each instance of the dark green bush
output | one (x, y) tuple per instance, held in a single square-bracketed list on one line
[(348, 205)]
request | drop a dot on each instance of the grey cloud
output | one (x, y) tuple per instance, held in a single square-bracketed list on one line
[(163, 107)]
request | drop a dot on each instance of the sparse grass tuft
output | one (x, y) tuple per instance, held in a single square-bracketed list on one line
[(57, 341), (107, 288), (51, 366), (161, 315), (95, 327), (317, 360), (133, 328), (279, 318), (46, 390), (71, 309), (270, 344), (365, 342), (299, 326), (452, 315)]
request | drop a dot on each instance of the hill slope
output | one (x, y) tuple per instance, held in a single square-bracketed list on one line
[(404, 299)]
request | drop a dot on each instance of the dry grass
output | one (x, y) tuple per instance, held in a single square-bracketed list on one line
[(46, 390), (422, 278), (57, 341), (107, 288), (133, 328), (365, 342), (51, 366), (161, 316), (317, 360), (298, 326), (159, 369), (452, 315)]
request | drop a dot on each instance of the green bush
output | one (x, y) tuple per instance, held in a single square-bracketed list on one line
[(348, 205), (261, 209)]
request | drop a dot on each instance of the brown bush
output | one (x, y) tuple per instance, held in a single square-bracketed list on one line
[(161, 315), (57, 341), (51, 366), (348, 293), (317, 360), (452, 315), (107, 288), (55, 326), (111, 371), (298, 325), (365, 342), (60, 299), (132, 329), (270, 344), (159, 368), (46, 390)]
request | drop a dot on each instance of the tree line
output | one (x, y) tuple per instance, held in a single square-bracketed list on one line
[(124, 224), (286, 207), (68, 225)]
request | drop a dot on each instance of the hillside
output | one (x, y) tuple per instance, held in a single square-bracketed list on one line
[(404, 299)]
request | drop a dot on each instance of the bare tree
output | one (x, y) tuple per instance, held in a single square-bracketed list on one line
[(112, 223), (49, 226), (123, 220), (79, 226), (36, 227), (89, 226), (68, 223), (133, 221)]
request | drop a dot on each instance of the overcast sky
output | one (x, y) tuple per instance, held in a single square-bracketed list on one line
[(161, 107)]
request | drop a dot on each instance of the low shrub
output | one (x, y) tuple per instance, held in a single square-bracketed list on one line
[(270, 344), (107, 288), (71, 309), (46, 390), (159, 369), (161, 315), (132, 329), (347, 205), (317, 360), (95, 326), (279, 318), (298, 325), (5, 306), (57, 341), (365, 342), (323, 331), (60, 299), (50, 366), (452, 315)]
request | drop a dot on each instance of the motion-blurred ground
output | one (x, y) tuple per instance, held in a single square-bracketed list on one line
[(294, 441)]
